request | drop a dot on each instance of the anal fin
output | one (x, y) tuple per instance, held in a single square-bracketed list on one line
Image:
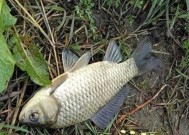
[(104, 116)]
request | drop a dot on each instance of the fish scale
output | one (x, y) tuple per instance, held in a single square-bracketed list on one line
[(88, 89)]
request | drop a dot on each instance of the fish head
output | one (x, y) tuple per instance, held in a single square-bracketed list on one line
[(41, 110)]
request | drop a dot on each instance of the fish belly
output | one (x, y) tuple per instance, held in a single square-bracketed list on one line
[(88, 89)]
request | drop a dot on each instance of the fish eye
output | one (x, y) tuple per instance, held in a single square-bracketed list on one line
[(34, 117)]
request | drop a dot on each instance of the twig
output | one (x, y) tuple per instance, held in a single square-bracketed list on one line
[(5, 111), (12, 94), (140, 106), (9, 105), (173, 130), (51, 34), (167, 18), (19, 103)]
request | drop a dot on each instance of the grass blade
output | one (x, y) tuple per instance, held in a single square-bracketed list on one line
[(72, 27), (13, 127)]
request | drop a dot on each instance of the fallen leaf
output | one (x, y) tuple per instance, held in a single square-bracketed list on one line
[(31, 60)]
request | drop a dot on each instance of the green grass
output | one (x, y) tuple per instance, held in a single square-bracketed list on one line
[(185, 58), (84, 11), (4, 126)]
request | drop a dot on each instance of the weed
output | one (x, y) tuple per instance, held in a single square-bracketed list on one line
[(144, 84), (84, 11), (76, 47), (185, 57), (113, 2), (85, 8), (157, 9), (126, 51), (137, 3), (131, 19), (3, 133)]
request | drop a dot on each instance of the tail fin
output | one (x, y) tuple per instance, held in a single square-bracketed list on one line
[(143, 57)]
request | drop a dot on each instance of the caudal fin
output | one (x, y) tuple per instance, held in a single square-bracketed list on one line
[(143, 57)]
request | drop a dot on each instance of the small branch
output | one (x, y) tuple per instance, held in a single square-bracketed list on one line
[(19, 103), (11, 95), (140, 106)]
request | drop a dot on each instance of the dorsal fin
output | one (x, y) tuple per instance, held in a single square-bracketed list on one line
[(71, 62), (113, 53), (83, 61), (68, 59)]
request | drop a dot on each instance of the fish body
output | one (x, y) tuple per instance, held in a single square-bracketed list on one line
[(88, 89), (95, 91)]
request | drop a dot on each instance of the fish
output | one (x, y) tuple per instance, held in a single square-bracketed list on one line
[(86, 91)]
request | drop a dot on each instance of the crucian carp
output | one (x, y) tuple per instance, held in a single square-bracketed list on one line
[(88, 91)]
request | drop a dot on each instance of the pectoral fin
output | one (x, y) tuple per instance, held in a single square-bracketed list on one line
[(104, 116), (113, 53), (56, 82), (71, 62)]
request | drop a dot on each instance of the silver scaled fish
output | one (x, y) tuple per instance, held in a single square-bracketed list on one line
[(88, 91)]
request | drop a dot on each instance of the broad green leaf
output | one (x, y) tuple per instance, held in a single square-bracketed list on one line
[(6, 63), (31, 60), (6, 19), (6, 59)]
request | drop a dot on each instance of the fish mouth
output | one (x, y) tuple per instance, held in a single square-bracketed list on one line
[(21, 118)]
